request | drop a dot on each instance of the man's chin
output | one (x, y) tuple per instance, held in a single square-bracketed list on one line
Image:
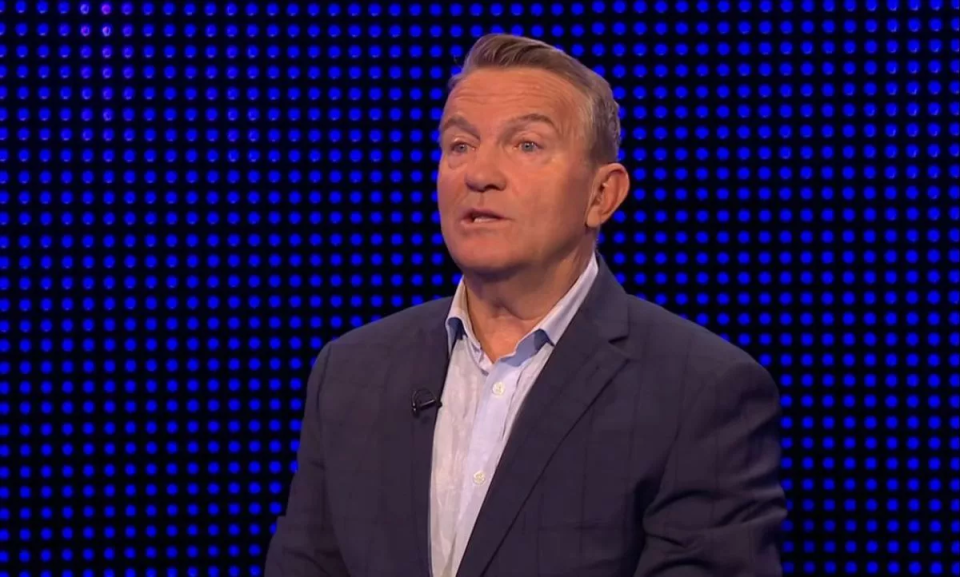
[(488, 268)]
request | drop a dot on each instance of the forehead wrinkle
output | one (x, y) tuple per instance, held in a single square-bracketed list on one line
[(537, 89), (523, 120), (459, 121)]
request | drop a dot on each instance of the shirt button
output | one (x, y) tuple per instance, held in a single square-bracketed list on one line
[(498, 389), (479, 478)]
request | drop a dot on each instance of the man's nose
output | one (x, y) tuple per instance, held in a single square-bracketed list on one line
[(484, 172)]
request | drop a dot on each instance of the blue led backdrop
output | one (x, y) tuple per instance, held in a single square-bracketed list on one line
[(196, 196)]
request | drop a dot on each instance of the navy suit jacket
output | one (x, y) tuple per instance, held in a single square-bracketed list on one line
[(648, 447)]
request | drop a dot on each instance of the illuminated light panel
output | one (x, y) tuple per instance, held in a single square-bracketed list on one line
[(196, 196)]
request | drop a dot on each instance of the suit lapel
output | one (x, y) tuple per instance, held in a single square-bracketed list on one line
[(582, 364), (429, 369)]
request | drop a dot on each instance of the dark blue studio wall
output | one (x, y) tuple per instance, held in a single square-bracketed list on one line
[(196, 196)]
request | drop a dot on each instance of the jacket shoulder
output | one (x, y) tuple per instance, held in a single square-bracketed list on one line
[(665, 333), (399, 326)]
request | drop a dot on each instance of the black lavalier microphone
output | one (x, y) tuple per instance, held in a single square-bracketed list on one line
[(422, 400)]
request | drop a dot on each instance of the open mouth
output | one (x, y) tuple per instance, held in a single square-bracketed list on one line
[(481, 217)]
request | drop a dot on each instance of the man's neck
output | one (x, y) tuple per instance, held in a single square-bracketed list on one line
[(503, 312)]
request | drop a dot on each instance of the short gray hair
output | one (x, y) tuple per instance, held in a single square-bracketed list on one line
[(602, 117)]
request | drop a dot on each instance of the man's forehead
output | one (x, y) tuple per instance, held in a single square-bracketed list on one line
[(508, 114), (506, 121), (498, 98), (531, 90)]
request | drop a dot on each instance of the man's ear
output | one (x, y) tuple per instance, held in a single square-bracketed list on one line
[(610, 188)]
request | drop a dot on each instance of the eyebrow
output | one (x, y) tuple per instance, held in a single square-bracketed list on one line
[(458, 121)]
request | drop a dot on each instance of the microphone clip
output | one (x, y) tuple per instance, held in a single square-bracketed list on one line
[(422, 400)]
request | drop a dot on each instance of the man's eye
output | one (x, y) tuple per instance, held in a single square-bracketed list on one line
[(529, 146), (459, 147)]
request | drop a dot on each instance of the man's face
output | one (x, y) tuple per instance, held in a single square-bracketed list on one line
[(513, 146)]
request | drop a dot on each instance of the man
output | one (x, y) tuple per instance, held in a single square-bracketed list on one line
[(580, 431)]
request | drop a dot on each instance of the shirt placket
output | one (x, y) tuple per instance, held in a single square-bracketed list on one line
[(487, 430)]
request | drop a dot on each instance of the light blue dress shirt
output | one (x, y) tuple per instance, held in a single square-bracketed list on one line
[(480, 402)]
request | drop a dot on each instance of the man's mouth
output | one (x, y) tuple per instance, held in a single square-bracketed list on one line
[(480, 216)]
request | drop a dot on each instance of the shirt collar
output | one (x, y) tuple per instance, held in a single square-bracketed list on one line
[(551, 327)]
